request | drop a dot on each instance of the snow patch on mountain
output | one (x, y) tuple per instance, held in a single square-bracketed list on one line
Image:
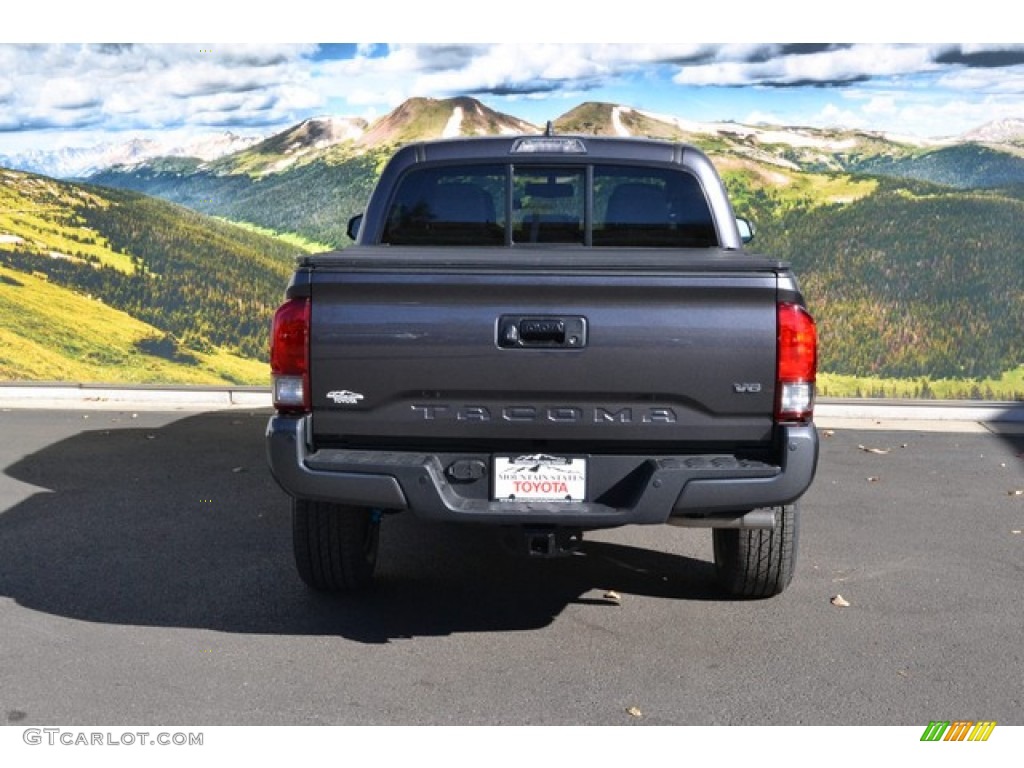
[(80, 162), (794, 137), (207, 148), (1009, 130), (331, 130), (620, 129), (454, 124)]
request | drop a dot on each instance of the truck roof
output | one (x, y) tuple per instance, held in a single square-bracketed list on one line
[(550, 147)]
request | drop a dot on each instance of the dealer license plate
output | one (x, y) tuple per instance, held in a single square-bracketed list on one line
[(540, 477)]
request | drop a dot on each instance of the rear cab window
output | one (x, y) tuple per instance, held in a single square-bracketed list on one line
[(457, 205), (591, 204)]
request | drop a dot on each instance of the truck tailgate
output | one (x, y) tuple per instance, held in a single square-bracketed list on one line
[(543, 350)]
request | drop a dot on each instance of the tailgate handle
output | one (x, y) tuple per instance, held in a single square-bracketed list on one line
[(542, 331), (532, 331)]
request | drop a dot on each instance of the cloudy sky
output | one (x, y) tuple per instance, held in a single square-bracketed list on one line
[(73, 94)]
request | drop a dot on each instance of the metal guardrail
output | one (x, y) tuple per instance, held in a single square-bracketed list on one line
[(922, 410), (55, 394)]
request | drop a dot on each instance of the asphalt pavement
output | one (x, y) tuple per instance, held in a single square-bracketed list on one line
[(146, 577)]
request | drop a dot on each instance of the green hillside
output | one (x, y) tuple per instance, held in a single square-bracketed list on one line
[(314, 200), (969, 166), (911, 281), (191, 292), (51, 333)]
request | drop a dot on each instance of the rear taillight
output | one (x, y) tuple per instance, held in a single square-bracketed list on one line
[(797, 364), (289, 356)]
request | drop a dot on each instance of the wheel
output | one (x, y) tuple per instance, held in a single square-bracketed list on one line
[(335, 545), (758, 563)]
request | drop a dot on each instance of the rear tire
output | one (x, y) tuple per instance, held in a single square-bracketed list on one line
[(758, 563), (335, 545)]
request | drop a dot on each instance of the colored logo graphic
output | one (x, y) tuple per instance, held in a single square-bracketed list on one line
[(958, 730)]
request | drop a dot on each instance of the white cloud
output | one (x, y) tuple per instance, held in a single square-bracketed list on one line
[(163, 87), (739, 65), (504, 68), (759, 116), (366, 49), (881, 106), (832, 116), (68, 93), (1010, 80), (937, 118), (923, 113), (154, 86)]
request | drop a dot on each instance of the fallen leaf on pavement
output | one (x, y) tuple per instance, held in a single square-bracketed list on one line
[(611, 594), (634, 712), (840, 601), (878, 451)]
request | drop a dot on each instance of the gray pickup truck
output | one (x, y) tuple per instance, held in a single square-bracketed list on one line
[(550, 333)]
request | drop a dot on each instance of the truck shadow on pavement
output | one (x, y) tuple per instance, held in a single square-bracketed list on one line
[(183, 526)]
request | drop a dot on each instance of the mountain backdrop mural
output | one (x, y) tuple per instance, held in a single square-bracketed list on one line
[(164, 264)]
